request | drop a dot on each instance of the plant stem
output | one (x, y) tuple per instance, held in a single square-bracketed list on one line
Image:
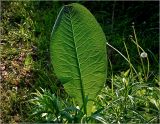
[(112, 83), (114, 4), (128, 57), (139, 47), (122, 56), (136, 41)]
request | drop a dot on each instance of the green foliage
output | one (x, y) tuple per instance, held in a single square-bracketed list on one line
[(49, 108), (129, 103), (25, 64), (78, 53)]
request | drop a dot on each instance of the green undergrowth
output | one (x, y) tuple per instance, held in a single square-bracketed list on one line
[(30, 91)]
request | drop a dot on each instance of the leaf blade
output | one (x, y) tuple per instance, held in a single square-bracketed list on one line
[(78, 52)]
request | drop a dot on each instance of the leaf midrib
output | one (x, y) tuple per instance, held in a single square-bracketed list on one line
[(78, 63)]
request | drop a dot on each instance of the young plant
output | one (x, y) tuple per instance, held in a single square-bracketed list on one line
[(78, 54), (47, 107)]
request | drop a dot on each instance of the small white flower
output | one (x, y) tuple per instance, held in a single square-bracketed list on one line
[(143, 54), (77, 107), (124, 80), (44, 114)]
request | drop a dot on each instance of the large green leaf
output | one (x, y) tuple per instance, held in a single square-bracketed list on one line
[(78, 52)]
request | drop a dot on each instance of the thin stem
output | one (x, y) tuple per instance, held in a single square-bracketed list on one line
[(114, 4), (147, 56), (112, 83), (125, 101), (128, 56), (136, 41), (122, 56)]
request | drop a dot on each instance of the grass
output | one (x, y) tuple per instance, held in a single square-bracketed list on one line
[(30, 92)]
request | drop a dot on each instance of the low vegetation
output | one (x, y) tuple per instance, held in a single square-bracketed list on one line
[(30, 91)]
